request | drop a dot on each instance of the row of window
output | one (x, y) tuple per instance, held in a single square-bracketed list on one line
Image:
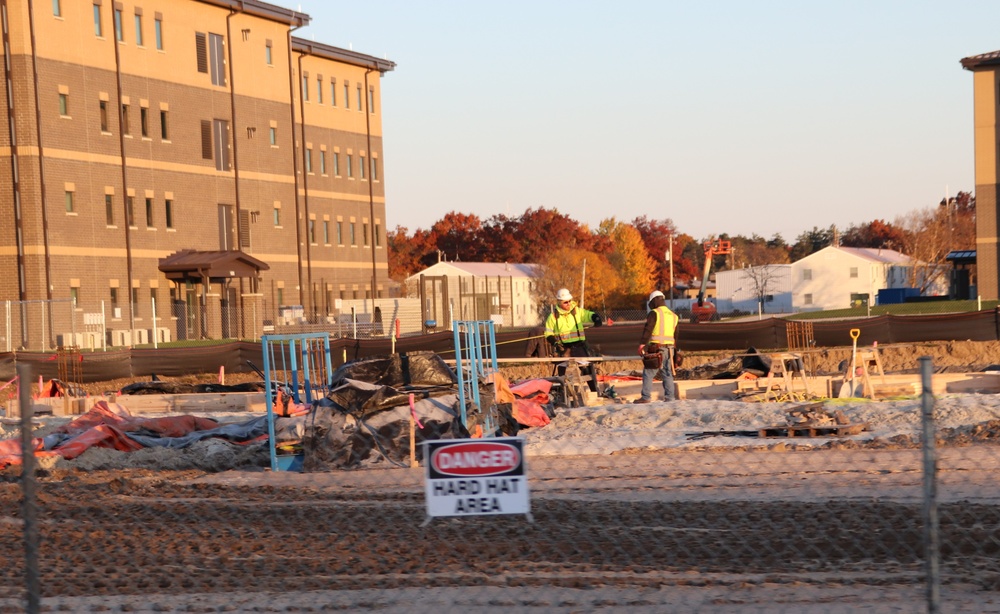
[(339, 227), (130, 220), (114, 296), (144, 113), (151, 219), (349, 165), (119, 20), (807, 274), (346, 98)]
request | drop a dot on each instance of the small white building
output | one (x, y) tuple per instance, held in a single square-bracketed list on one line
[(843, 277), (501, 292), (766, 288), (832, 278)]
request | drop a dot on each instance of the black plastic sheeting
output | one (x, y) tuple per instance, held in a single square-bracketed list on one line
[(615, 340), (339, 439), (154, 387)]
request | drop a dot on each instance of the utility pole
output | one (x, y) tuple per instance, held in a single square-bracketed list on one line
[(670, 259)]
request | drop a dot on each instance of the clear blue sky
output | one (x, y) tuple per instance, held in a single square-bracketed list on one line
[(763, 117)]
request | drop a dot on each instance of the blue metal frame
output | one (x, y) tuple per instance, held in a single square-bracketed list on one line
[(316, 373), (475, 356)]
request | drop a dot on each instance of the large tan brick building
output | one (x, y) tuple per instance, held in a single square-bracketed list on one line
[(188, 154), (986, 104)]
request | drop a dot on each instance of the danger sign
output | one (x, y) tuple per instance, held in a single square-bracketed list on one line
[(467, 477)]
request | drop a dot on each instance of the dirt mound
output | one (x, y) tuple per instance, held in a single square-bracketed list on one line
[(946, 356)]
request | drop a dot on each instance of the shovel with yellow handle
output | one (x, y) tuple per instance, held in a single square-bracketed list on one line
[(847, 388)]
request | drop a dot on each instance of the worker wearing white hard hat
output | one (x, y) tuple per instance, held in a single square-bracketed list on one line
[(657, 348), (564, 330)]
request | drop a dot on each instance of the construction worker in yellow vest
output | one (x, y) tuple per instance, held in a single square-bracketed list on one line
[(564, 331), (657, 348)]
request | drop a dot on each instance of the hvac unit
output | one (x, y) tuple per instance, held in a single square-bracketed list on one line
[(70, 339), (90, 340), (161, 334), (116, 313), (120, 337), (141, 336)]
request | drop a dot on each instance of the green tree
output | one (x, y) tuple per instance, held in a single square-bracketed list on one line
[(810, 242)]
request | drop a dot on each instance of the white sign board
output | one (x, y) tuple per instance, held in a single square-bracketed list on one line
[(474, 477)]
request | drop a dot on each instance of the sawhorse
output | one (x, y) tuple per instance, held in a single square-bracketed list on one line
[(786, 366)]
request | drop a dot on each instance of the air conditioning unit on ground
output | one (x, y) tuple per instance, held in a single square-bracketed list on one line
[(120, 337), (161, 334), (141, 336), (70, 339), (90, 340)]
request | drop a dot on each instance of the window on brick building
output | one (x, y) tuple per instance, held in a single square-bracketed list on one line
[(64, 105), (104, 116), (109, 209), (98, 28), (57, 8), (144, 121), (130, 211), (158, 30), (163, 125), (138, 29), (126, 130), (149, 213), (168, 213), (119, 33)]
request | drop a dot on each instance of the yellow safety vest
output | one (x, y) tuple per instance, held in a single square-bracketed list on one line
[(666, 324), (567, 326)]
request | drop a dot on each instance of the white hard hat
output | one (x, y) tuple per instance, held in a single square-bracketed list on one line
[(654, 294), (563, 295)]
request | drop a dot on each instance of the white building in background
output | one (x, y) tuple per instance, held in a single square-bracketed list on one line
[(842, 277), (743, 289), (502, 292), (832, 278)]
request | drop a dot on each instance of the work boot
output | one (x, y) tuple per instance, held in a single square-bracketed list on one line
[(641, 400)]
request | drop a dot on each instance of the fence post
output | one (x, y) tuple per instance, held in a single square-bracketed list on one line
[(930, 511), (28, 506)]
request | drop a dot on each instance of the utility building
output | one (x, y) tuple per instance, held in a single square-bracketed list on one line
[(191, 155), (986, 104)]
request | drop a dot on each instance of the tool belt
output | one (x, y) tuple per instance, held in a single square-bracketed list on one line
[(652, 357)]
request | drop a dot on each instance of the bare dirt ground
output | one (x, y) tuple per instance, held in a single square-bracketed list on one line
[(677, 532), (637, 532)]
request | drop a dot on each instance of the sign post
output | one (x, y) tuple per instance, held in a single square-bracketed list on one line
[(476, 477)]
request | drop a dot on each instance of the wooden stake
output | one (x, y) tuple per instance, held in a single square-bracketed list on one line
[(413, 438)]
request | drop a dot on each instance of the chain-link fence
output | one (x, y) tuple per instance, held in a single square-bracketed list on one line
[(632, 508)]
